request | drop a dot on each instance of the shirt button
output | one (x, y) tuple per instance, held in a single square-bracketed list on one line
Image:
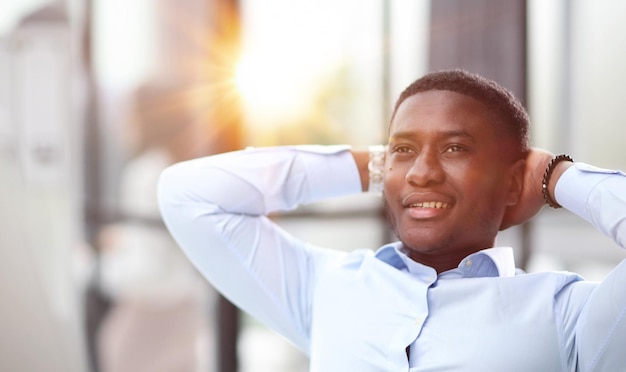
[(418, 320), (468, 263)]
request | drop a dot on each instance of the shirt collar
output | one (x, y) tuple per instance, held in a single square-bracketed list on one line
[(490, 262)]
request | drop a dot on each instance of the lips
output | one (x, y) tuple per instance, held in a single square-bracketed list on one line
[(427, 205), (427, 200)]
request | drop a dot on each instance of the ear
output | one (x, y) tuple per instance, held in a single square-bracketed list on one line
[(515, 182)]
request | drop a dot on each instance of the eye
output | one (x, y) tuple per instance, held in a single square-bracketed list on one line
[(454, 148), (402, 149)]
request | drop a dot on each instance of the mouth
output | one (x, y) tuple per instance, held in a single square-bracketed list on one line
[(430, 204), (423, 206)]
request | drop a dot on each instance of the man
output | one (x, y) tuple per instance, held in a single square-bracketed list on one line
[(457, 169)]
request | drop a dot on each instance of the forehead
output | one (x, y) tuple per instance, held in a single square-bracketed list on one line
[(441, 110)]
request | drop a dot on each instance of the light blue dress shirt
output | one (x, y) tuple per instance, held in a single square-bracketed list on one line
[(359, 311)]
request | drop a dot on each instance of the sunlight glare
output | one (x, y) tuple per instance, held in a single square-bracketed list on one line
[(280, 73), (271, 88)]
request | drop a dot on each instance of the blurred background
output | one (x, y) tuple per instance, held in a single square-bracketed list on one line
[(98, 96)]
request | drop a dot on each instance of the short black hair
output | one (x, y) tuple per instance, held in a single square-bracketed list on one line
[(508, 110)]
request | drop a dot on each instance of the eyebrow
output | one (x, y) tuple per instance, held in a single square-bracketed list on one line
[(444, 134)]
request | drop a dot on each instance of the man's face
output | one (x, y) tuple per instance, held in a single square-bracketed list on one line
[(447, 179)]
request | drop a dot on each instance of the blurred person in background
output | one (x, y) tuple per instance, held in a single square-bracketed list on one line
[(457, 169), (160, 317)]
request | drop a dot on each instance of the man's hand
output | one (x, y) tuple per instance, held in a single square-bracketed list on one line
[(531, 199)]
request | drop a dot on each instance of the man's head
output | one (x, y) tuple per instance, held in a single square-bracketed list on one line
[(457, 144), (508, 113)]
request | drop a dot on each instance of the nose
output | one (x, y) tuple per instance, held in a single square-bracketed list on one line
[(426, 169)]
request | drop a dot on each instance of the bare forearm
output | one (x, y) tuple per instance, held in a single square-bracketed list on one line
[(361, 157)]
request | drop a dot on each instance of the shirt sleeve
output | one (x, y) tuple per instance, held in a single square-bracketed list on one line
[(216, 209), (598, 196), (595, 326)]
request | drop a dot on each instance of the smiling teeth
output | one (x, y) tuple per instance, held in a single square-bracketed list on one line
[(438, 205)]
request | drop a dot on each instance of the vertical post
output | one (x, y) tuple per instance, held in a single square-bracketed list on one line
[(227, 135), (96, 305), (387, 234), (386, 62), (228, 329), (487, 37)]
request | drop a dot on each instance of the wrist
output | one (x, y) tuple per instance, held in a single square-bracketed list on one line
[(375, 167), (361, 158), (555, 168)]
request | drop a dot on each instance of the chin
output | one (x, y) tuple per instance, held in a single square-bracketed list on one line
[(424, 244)]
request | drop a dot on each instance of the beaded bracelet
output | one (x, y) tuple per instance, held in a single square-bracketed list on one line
[(546, 178), (375, 168)]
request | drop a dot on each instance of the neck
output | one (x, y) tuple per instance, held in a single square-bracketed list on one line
[(442, 261)]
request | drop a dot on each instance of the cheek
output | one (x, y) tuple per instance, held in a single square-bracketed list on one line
[(486, 195), (394, 182), (473, 177), (395, 172), (491, 185), (388, 175)]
